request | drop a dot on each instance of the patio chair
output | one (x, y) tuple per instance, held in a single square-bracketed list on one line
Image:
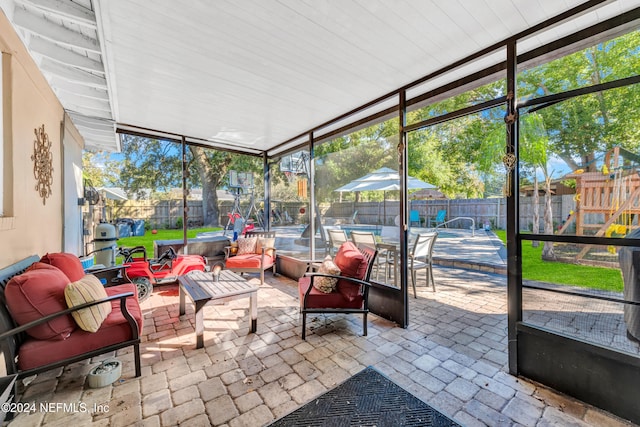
[(367, 238), (439, 219), (350, 293), (421, 258), (390, 236), (354, 218), (256, 253), (390, 233), (414, 216), (336, 238)]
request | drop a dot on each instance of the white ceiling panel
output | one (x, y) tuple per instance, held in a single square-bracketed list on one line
[(255, 73)]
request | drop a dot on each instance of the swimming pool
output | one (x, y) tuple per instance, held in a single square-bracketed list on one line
[(376, 229), (443, 233), (448, 235), (456, 233)]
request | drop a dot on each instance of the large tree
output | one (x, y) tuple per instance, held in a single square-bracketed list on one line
[(582, 127), (213, 167), (101, 169), (351, 156), (577, 130), (149, 164), (157, 165)]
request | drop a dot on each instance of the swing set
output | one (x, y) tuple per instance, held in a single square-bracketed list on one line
[(241, 183), (611, 193)]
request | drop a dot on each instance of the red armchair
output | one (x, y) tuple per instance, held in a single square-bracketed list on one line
[(256, 253), (351, 291)]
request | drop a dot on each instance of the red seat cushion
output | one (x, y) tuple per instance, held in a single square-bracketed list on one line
[(68, 263), (115, 329), (318, 299), (248, 261), (351, 263), (38, 293)]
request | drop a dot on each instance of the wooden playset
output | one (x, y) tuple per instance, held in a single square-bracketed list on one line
[(607, 200)]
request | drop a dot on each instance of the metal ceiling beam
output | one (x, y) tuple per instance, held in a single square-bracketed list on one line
[(73, 98), (104, 140), (67, 10), (57, 53), (93, 123), (52, 31), (97, 133), (78, 89), (169, 136), (73, 74), (81, 109)]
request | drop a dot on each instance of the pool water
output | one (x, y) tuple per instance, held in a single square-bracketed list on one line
[(447, 235), (372, 228)]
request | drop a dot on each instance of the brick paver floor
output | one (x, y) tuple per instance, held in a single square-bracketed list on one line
[(453, 356)]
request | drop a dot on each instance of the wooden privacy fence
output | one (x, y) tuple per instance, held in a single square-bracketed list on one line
[(492, 212), (168, 213), (158, 214)]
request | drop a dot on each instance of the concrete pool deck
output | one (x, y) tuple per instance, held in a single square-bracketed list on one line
[(481, 250)]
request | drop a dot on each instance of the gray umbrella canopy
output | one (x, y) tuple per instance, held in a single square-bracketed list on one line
[(428, 193), (383, 179)]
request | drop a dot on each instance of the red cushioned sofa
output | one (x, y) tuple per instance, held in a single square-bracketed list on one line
[(352, 286), (37, 331)]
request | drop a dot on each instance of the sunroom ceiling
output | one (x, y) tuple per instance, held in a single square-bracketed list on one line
[(250, 74)]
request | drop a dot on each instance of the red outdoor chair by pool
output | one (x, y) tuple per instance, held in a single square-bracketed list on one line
[(347, 292)]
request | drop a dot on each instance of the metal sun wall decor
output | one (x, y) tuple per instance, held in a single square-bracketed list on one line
[(42, 163)]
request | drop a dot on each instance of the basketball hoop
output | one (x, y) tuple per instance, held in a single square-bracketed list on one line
[(290, 176), (241, 180)]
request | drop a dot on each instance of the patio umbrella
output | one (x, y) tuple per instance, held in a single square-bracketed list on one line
[(383, 179), (113, 193), (428, 193)]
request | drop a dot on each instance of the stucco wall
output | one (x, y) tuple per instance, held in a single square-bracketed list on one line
[(28, 226)]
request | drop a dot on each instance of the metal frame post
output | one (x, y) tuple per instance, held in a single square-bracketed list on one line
[(185, 193), (403, 154), (266, 212), (312, 199), (514, 251)]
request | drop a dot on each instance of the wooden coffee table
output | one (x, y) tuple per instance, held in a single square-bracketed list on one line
[(202, 289)]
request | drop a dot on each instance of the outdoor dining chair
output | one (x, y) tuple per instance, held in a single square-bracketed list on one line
[(390, 236), (367, 238), (421, 258), (336, 238), (414, 216), (439, 219)]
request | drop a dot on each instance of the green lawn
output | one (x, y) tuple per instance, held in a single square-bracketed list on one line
[(534, 268), (148, 238)]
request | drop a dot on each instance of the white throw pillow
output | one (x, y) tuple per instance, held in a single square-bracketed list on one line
[(87, 289), (326, 284)]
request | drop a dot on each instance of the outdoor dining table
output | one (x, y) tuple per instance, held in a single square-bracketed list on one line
[(392, 250)]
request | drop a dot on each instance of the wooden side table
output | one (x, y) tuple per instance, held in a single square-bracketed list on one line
[(202, 289)]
